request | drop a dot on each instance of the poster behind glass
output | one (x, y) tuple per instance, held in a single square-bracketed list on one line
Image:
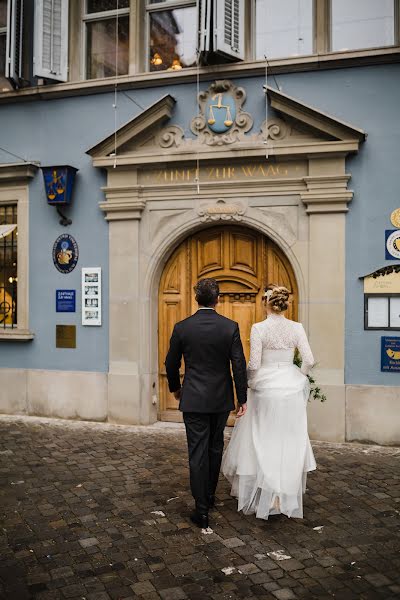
[(91, 296)]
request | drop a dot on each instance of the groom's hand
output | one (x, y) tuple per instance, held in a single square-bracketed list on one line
[(177, 394), (241, 411)]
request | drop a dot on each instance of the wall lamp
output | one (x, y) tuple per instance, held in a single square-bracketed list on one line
[(59, 182)]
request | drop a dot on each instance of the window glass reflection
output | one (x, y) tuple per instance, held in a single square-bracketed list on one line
[(362, 24), (8, 268), (173, 35), (2, 54), (285, 29), (101, 47), (3, 13), (94, 6)]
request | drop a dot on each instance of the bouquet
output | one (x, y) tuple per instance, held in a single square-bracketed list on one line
[(315, 391)]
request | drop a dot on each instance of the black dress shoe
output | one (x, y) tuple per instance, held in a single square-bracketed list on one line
[(199, 519), (211, 501)]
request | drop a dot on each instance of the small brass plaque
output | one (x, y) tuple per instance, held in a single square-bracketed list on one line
[(65, 336)]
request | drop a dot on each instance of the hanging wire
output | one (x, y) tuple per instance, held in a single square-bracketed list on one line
[(197, 178), (115, 105), (268, 146), (131, 99), (14, 155)]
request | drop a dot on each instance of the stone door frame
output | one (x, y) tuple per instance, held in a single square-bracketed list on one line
[(302, 211)]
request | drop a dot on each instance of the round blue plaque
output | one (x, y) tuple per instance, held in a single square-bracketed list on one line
[(65, 253)]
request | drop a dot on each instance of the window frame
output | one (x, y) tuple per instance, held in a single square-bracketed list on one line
[(396, 31), (250, 32), (85, 18), (14, 190), (159, 7), (366, 298), (3, 241), (4, 31), (139, 51)]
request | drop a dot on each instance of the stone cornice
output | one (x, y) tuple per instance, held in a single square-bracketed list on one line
[(331, 60), (237, 151), (122, 203), (17, 172), (327, 194)]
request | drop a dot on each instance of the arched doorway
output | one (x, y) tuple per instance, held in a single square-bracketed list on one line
[(243, 261)]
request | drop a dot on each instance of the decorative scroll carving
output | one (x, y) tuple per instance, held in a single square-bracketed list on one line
[(221, 211), (277, 130), (170, 136), (228, 101)]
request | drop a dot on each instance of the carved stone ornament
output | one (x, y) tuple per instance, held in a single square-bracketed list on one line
[(221, 119), (170, 136), (277, 130), (221, 211)]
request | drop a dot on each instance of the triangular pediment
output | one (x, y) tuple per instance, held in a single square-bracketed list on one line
[(293, 128), (308, 118), (140, 130)]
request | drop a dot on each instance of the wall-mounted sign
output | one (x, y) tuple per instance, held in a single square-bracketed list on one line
[(390, 354), (392, 237), (65, 336), (395, 218), (65, 301), (91, 296), (383, 281), (65, 253)]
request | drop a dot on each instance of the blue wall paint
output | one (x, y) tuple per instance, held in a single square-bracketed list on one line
[(60, 131)]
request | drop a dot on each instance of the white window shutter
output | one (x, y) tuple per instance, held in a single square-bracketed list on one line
[(229, 28), (51, 39), (15, 10), (204, 10)]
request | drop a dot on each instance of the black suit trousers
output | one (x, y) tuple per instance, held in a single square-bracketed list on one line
[(205, 438)]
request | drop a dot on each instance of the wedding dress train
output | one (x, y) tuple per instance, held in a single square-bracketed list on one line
[(269, 454)]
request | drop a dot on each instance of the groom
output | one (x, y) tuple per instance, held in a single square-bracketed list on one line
[(210, 344)]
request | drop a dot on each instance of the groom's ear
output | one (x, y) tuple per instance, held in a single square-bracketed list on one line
[(217, 302)]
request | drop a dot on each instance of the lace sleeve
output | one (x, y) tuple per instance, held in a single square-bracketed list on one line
[(255, 354), (307, 359)]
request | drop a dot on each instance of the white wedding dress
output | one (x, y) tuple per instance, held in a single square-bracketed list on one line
[(269, 453)]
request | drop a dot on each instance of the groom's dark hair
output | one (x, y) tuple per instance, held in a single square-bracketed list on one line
[(207, 292)]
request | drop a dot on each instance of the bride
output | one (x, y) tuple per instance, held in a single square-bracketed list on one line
[(269, 454)]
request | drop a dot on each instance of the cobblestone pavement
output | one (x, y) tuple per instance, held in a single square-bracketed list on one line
[(99, 512)]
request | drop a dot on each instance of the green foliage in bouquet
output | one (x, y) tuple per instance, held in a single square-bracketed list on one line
[(315, 391)]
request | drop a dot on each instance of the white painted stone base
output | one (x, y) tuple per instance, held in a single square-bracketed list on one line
[(373, 414), (326, 420), (63, 394), (362, 413)]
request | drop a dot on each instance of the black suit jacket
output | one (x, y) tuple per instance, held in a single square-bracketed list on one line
[(210, 344)]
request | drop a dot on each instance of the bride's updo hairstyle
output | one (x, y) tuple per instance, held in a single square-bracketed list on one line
[(277, 296)]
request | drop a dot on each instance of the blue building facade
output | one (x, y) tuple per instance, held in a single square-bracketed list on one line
[(134, 190)]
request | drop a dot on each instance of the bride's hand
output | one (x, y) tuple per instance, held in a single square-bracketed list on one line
[(241, 411)]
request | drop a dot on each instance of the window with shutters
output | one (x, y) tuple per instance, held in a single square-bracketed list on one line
[(106, 33), (171, 34), (51, 39)]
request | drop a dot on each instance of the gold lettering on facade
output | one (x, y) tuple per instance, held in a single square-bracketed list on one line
[(239, 172)]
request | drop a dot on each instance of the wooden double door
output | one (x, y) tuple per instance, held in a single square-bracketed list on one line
[(243, 262)]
